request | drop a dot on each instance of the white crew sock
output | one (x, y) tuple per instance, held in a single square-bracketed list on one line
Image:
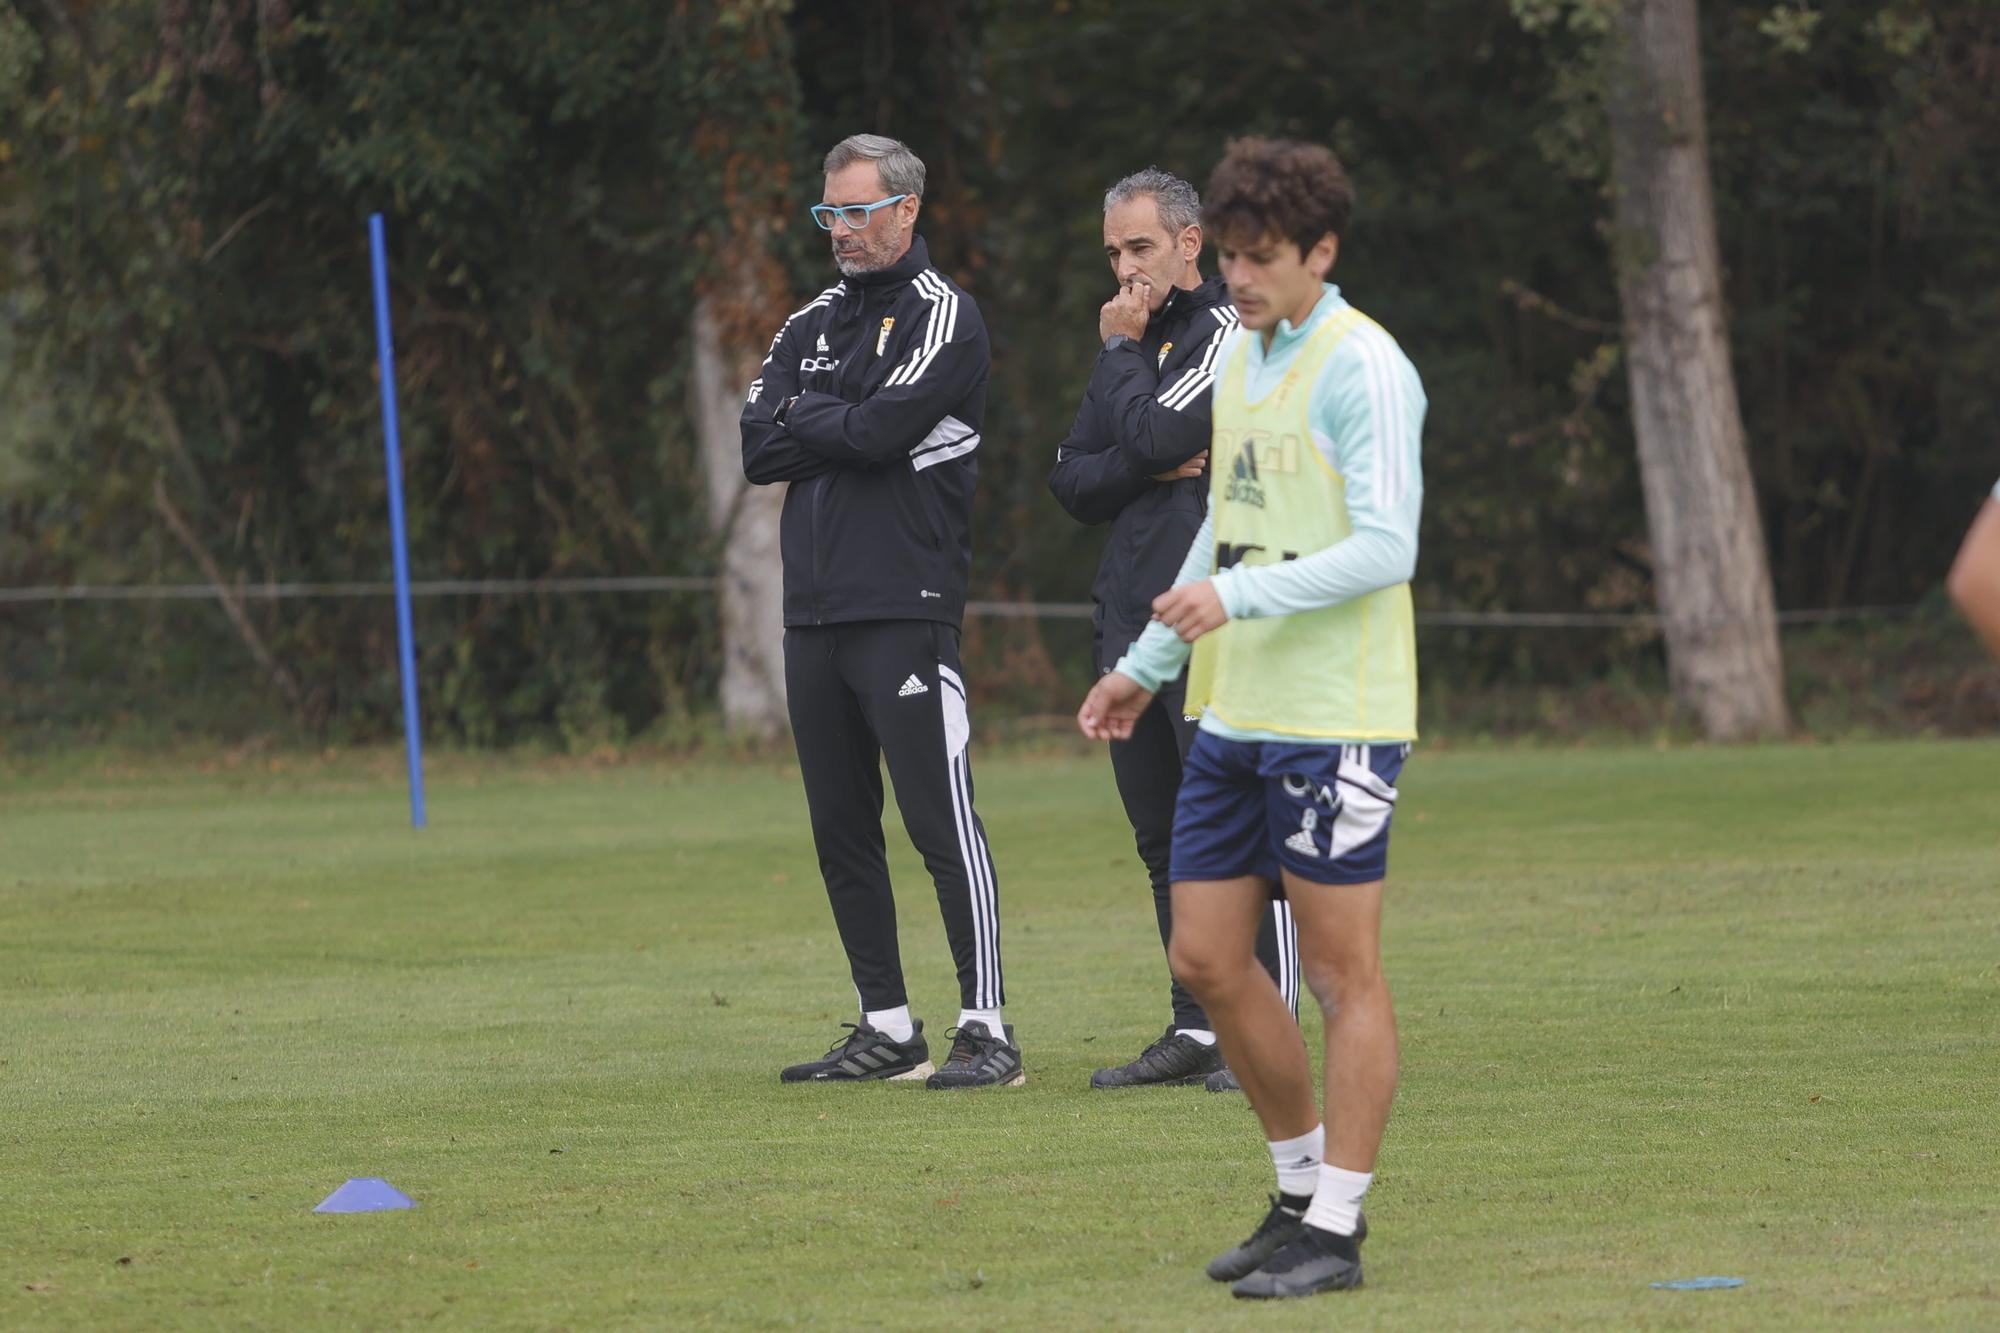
[(894, 1023), (990, 1017), (1336, 1204), (1202, 1035), (1298, 1161)]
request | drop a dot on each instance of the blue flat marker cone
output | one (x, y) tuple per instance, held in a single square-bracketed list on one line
[(365, 1195), (1700, 1284)]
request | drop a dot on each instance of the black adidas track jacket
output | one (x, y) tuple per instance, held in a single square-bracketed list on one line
[(1146, 412), (885, 376)]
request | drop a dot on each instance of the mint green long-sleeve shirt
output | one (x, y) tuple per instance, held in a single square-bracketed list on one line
[(1367, 412)]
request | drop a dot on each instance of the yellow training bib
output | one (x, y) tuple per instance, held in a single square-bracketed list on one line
[(1346, 672)]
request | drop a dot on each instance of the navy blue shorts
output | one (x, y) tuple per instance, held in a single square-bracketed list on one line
[(1256, 807)]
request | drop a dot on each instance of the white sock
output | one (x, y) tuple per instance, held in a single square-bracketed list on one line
[(1298, 1161), (894, 1023), (990, 1017), (1336, 1205), (1202, 1035)]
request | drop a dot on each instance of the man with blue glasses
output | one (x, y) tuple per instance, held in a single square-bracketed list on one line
[(870, 405)]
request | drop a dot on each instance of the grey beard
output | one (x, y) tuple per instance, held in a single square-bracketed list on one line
[(854, 268)]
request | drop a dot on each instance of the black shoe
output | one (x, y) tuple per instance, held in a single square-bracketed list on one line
[(1222, 1080), (1317, 1261), (979, 1059), (865, 1053), (1175, 1058), (1278, 1229)]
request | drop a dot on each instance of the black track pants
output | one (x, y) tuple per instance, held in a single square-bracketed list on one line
[(860, 693), (1148, 769)]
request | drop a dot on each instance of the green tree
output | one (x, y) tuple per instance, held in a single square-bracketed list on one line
[(193, 184), (184, 309)]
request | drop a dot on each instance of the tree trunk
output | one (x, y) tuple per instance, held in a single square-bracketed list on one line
[(225, 596), (232, 605), (1709, 563), (745, 141), (744, 519)]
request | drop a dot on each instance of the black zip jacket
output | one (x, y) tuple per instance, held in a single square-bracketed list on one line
[(1146, 412), (888, 373)]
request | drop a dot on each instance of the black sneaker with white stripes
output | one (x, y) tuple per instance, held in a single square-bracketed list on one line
[(1175, 1058), (1315, 1261), (1278, 1229), (1222, 1080), (866, 1053), (979, 1059)]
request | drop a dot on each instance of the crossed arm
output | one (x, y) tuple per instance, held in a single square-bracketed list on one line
[(823, 431), (771, 453), (1152, 439)]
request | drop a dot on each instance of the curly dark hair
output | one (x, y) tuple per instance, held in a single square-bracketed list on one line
[(1282, 187)]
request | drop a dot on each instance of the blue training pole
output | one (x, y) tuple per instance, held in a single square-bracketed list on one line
[(393, 453)]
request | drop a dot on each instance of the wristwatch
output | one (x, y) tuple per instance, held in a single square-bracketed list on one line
[(1118, 340)]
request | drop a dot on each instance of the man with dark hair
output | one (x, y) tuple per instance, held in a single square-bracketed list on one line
[(1134, 459), (870, 405), (1295, 596)]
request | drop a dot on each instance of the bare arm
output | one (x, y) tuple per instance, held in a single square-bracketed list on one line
[(1975, 576)]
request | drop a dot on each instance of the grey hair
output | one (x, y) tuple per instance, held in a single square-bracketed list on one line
[(1178, 202), (902, 170)]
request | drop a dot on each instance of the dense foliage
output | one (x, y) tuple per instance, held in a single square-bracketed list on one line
[(186, 364)]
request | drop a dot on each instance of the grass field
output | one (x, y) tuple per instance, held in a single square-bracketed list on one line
[(1664, 1014)]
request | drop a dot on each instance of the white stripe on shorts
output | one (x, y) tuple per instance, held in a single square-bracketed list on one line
[(1288, 954)]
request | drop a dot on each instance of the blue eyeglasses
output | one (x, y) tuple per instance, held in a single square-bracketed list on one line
[(856, 216)]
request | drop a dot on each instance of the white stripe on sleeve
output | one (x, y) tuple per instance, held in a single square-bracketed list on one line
[(950, 438), (824, 298), (1196, 378), (938, 329)]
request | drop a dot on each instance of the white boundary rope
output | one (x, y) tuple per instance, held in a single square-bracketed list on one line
[(267, 592), (271, 592)]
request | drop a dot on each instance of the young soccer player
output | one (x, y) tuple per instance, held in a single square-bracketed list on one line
[(1295, 597)]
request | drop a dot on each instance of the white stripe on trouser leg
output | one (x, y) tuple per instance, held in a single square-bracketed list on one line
[(979, 880), (989, 887), (975, 888), (965, 845), (957, 737), (978, 860), (973, 855), (950, 677), (988, 896)]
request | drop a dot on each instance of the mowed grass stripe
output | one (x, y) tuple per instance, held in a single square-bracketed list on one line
[(1664, 1013)]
